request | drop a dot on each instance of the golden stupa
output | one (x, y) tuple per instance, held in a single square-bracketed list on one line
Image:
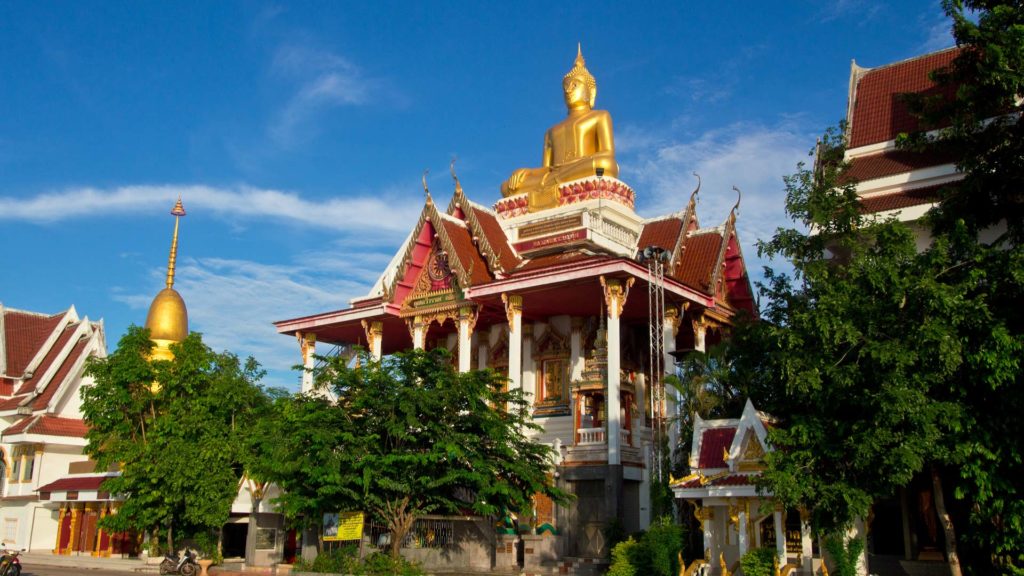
[(167, 320)]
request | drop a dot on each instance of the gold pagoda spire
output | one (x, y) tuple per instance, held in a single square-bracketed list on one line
[(178, 211), (167, 320)]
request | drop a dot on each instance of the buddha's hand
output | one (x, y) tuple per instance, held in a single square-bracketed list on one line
[(514, 181)]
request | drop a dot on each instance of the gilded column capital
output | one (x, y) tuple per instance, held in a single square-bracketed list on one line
[(415, 324), (615, 294), (469, 314), (374, 330), (513, 308), (306, 342), (673, 318)]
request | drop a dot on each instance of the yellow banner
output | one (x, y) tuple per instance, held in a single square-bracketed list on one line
[(343, 526)]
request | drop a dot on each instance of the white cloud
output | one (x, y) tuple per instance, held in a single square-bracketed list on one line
[(233, 302), (752, 157), (938, 33), (344, 214), (324, 80)]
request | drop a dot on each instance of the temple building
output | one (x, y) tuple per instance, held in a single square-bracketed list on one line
[(726, 456), (49, 492), (562, 286), (892, 182)]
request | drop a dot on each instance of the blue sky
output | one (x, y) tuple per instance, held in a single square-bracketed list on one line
[(296, 133)]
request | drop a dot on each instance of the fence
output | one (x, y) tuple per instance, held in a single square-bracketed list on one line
[(429, 532)]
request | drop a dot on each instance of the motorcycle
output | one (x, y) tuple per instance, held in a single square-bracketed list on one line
[(186, 565), (10, 564)]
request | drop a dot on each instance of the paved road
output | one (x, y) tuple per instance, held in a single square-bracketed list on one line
[(39, 570)]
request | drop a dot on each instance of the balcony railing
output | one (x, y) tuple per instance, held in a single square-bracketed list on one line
[(592, 436), (589, 436)]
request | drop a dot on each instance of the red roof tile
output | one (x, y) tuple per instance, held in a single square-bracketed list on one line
[(24, 334), (51, 356), (62, 374), (468, 255), (901, 199), (698, 259), (662, 233), (891, 163), (496, 237), (74, 484), (48, 425), (878, 114), (713, 442), (12, 402)]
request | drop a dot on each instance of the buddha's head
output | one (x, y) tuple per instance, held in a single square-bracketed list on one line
[(579, 85)]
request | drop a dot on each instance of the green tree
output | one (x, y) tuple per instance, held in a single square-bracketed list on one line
[(981, 218), (407, 436), (850, 351), (176, 430)]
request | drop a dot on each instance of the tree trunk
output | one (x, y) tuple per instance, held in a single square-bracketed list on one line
[(947, 523), (250, 533), (170, 536)]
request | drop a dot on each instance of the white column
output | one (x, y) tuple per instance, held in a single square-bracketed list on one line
[(529, 370), (418, 330), (708, 524), (615, 294), (307, 344), (514, 311), (374, 330), (780, 537), (577, 355), (645, 488), (483, 351), (806, 542), (669, 328), (467, 319), (744, 540)]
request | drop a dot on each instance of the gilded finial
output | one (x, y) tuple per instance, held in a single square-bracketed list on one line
[(178, 211), (693, 195), (425, 189), (451, 167), (739, 196)]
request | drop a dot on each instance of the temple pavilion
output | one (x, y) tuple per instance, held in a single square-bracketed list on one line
[(562, 286)]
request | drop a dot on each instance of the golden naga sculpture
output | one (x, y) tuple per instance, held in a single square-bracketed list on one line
[(577, 147)]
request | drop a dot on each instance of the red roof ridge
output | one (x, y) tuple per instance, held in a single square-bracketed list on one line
[(865, 70)]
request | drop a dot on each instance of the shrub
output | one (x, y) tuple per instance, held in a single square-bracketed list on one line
[(380, 564), (621, 565), (845, 553), (338, 561), (758, 562), (658, 550)]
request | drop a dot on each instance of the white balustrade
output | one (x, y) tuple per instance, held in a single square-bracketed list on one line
[(590, 436)]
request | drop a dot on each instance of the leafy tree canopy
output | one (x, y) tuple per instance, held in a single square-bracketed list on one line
[(407, 436), (176, 430)]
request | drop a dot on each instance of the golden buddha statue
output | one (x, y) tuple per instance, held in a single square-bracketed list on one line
[(577, 147)]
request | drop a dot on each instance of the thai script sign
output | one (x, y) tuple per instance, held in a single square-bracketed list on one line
[(339, 526)]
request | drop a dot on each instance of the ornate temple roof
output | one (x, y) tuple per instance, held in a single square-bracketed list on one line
[(48, 355), (875, 113)]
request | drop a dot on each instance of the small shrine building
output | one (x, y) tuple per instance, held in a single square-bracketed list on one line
[(551, 286)]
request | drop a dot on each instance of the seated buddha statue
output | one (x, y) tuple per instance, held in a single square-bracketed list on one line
[(577, 147)]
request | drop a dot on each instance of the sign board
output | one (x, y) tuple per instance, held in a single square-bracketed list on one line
[(266, 538), (343, 526), (555, 240)]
